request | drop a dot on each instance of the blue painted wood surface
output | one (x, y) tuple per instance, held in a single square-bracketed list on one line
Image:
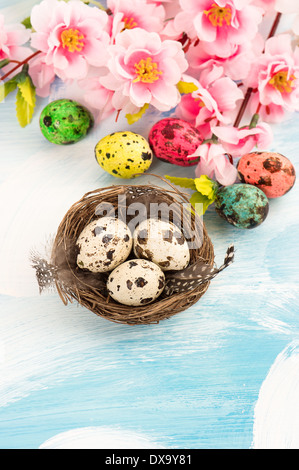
[(223, 374)]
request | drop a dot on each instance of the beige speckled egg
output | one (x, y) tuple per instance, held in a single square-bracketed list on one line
[(161, 242), (103, 244), (136, 282)]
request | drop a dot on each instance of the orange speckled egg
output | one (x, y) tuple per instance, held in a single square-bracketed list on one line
[(272, 172)]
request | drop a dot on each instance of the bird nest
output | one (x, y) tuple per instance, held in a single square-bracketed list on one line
[(183, 288)]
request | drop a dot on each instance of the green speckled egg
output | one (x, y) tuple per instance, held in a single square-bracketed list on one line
[(65, 121), (122, 154), (242, 205)]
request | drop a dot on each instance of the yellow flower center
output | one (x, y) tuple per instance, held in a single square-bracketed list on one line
[(147, 71), (281, 82), (71, 38), (217, 15), (130, 23)]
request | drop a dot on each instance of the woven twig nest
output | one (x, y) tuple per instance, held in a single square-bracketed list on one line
[(89, 289)]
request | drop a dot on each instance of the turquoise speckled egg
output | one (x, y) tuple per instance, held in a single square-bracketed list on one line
[(65, 121), (242, 205)]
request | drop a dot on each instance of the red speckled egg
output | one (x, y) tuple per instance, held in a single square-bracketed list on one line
[(172, 140), (273, 173)]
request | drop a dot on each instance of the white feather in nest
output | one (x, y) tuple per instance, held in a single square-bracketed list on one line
[(51, 269)]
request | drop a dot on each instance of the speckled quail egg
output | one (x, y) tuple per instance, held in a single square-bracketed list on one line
[(103, 244), (242, 205), (272, 172), (136, 282), (161, 242), (65, 121), (124, 154), (173, 140)]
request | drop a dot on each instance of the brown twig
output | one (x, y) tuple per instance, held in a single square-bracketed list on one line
[(243, 107), (117, 115), (20, 65), (274, 26)]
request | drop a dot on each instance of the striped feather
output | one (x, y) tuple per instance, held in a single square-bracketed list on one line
[(196, 274)]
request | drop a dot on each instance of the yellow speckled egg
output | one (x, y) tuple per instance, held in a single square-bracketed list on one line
[(122, 154)]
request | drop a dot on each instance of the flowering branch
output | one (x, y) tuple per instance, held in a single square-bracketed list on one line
[(130, 56), (250, 90), (19, 64)]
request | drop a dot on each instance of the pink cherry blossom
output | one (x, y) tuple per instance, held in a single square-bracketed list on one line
[(215, 164), (42, 75), (237, 142), (169, 31), (144, 69), (212, 102), (266, 5), (135, 14), (236, 66), (12, 40), (295, 27), (221, 24), (287, 6), (97, 97), (72, 35), (276, 74), (271, 113)]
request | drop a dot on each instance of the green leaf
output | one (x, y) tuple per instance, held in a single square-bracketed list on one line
[(4, 62), (254, 121), (131, 118), (27, 23), (206, 186), (186, 87), (26, 98), (6, 88), (24, 109), (183, 182), (200, 202), (22, 76), (27, 89)]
